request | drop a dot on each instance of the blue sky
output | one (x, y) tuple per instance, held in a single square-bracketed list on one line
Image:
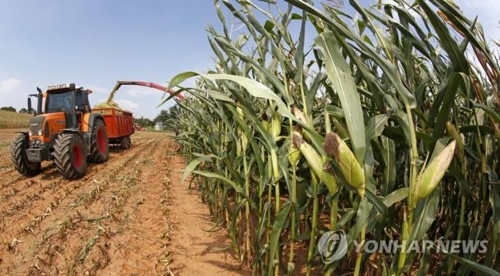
[(94, 43)]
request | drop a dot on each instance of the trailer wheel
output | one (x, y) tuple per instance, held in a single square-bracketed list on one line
[(19, 158), (70, 155), (99, 145), (125, 142)]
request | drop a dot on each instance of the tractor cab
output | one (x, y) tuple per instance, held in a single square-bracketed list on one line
[(62, 106), (72, 101), (66, 98)]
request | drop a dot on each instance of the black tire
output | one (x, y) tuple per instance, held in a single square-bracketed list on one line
[(19, 158), (125, 142), (99, 144), (70, 155)]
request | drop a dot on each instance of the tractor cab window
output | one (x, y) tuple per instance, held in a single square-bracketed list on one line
[(79, 101), (57, 102)]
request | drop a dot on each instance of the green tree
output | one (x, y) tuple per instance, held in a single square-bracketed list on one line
[(144, 122), (168, 117), (8, 108), (163, 117)]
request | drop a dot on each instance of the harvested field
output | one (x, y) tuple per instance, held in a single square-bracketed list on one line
[(128, 216)]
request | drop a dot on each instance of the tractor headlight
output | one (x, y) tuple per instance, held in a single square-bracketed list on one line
[(30, 133), (40, 132)]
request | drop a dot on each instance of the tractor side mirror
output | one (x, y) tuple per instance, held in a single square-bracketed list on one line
[(29, 104), (30, 107)]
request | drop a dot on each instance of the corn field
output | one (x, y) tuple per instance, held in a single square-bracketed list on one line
[(384, 125), (10, 119)]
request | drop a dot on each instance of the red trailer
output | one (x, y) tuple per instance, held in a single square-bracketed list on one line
[(119, 124)]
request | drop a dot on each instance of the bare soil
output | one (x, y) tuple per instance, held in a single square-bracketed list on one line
[(128, 216)]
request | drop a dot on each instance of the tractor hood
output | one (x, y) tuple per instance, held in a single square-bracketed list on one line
[(36, 125), (45, 127)]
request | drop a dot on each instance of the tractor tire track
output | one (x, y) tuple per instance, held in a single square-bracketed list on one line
[(117, 208), (50, 181), (40, 200), (128, 216), (83, 233), (50, 173)]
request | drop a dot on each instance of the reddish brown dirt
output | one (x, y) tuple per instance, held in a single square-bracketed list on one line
[(128, 216), (196, 248)]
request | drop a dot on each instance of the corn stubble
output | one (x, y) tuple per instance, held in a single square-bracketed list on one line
[(385, 129)]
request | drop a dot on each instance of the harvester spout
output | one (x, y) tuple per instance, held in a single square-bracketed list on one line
[(142, 83)]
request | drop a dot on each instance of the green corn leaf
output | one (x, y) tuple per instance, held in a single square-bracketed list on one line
[(376, 126), (396, 196), (445, 102), (362, 216), (425, 214), (339, 73), (385, 65), (255, 89), (456, 56), (278, 225), (335, 111), (388, 150), (474, 266), (179, 78), (231, 183), (193, 164)]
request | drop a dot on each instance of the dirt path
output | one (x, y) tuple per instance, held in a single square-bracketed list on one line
[(196, 251), (128, 216)]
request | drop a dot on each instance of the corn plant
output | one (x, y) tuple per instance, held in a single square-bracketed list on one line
[(385, 125)]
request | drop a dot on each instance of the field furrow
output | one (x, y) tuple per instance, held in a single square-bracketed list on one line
[(26, 192), (121, 218), (50, 225)]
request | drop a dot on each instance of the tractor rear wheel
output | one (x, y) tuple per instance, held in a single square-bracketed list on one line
[(70, 155), (19, 158), (125, 142), (99, 145)]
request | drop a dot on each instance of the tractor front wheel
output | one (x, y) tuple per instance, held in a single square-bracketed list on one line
[(70, 155), (19, 158), (99, 145)]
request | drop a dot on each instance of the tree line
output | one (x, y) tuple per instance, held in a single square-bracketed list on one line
[(13, 109), (165, 117)]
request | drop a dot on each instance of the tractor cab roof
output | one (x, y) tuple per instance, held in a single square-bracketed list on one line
[(57, 88), (60, 87)]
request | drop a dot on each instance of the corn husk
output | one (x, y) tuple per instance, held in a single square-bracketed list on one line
[(266, 123), (453, 132), (336, 148), (315, 162), (434, 172), (300, 115), (294, 156), (241, 134), (275, 128)]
